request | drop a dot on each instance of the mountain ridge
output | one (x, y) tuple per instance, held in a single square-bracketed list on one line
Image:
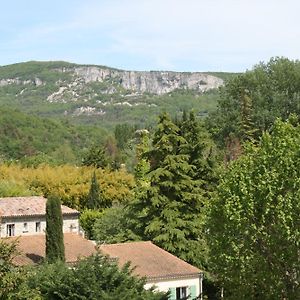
[(101, 94)]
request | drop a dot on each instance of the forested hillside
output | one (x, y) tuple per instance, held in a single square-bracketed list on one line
[(26, 137), (105, 96)]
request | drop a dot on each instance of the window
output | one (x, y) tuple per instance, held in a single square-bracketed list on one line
[(25, 227), (10, 229), (37, 226), (73, 228), (181, 293)]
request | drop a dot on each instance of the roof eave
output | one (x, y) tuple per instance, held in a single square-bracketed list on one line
[(172, 276)]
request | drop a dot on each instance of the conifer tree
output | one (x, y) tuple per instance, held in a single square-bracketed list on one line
[(55, 249), (94, 198), (169, 208), (201, 151), (142, 166)]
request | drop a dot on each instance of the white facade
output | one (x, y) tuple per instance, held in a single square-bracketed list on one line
[(193, 286), (32, 225)]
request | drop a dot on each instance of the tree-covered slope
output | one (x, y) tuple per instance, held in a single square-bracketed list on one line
[(24, 135)]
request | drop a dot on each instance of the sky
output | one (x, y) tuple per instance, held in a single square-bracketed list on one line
[(177, 35)]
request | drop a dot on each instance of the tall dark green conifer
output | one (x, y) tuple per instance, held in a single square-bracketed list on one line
[(169, 208), (201, 151), (94, 199), (55, 249)]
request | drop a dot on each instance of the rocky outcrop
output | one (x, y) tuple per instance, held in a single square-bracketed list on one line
[(9, 81), (154, 82)]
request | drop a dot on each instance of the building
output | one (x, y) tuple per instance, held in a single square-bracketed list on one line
[(32, 249), (22, 216), (24, 219), (162, 269)]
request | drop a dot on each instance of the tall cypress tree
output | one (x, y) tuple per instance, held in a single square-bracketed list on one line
[(55, 249), (94, 198)]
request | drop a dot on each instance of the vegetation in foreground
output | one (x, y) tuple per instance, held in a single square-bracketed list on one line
[(227, 187)]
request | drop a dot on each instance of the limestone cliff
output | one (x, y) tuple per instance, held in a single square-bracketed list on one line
[(154, 82)]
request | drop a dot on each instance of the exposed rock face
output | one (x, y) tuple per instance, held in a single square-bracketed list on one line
[(154, 82), (8, 81)]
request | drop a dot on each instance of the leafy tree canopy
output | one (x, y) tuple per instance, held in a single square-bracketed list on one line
[(93, 278), (252, 101), (254, 220), (13, 280)]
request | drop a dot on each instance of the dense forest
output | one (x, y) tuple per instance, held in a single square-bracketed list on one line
[(220, 192)]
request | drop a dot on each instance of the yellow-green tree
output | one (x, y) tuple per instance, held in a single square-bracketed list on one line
[(254, 228)]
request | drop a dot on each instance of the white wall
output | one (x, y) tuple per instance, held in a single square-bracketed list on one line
[(164, 286), (70, 224)]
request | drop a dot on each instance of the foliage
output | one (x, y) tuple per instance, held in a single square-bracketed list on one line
[(252, 101), (254, 228), (55, 249), (169, 211), (13, 280), (93, 278), (95, 156), (87, 220), (202, 152), (142, 166), (35, 140), (94, 199), (70, 183), (123, 133), (113, 226)]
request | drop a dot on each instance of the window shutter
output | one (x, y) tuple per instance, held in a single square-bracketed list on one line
[(192, 289), (172, 295)]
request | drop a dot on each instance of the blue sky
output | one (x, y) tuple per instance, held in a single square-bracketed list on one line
[(179, 35)]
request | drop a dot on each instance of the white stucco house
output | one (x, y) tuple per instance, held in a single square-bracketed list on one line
[(24, 216), (160, 268), (24, 219)]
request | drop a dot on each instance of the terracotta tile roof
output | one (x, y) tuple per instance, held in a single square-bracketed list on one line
[(27, 206), (32, 248), (150, 260)]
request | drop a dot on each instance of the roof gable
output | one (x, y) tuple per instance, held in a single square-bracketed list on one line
[(33, 248), (27, 206)]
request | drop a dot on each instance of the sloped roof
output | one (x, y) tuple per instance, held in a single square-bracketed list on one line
[(27, 206), (149, 260), (32, 248)]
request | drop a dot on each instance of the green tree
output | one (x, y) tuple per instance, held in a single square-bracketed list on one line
[(142, 166), (94, 278), (113, 226), (251, 102), (55, 249), (94, 198), (95, 156), (168, 210), (201, 151), (123, 133), (13, 280), (87, 220), (254, 228)]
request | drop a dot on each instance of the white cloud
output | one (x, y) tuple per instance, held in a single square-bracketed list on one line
[(190, 34)]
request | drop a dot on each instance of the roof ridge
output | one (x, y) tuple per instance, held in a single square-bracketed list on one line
[(129, 242)]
